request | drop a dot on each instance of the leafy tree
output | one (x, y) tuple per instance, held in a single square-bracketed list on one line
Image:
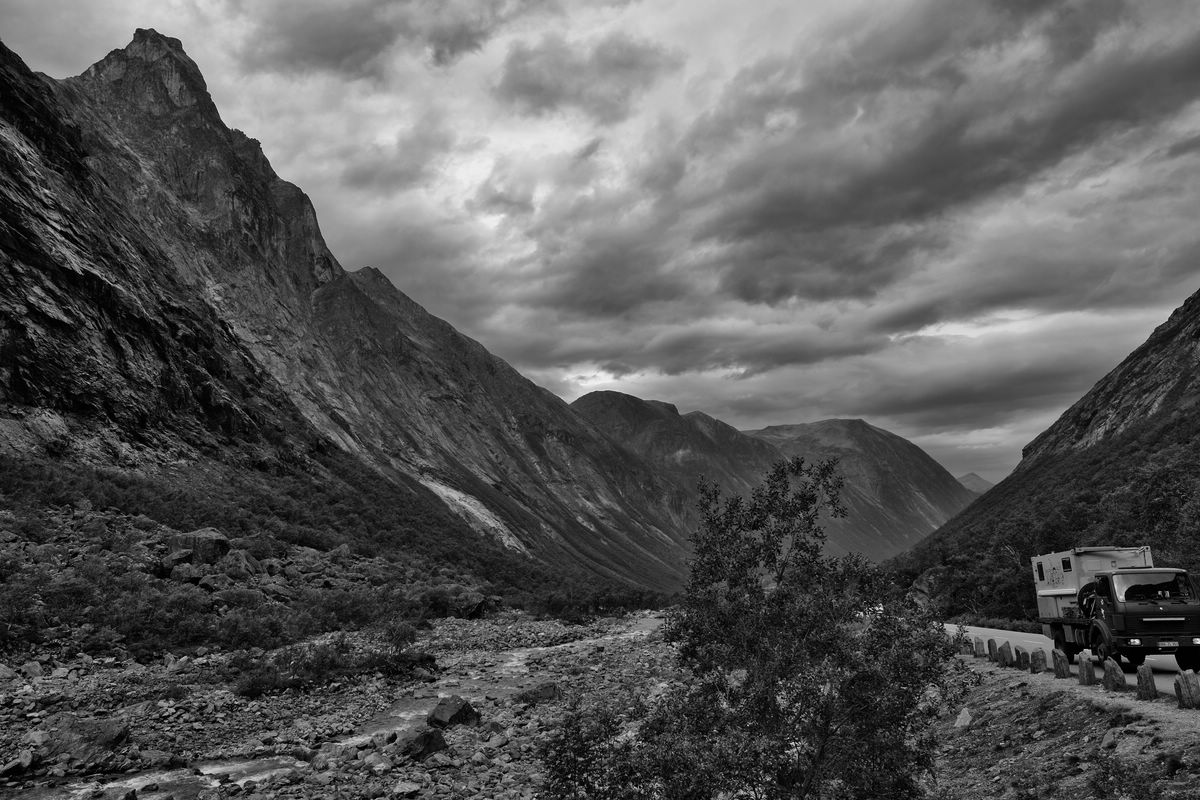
[(806, 676)]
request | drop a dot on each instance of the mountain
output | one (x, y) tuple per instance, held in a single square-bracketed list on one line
[(166, 295), (975, 483), (1121, 466), (895, 494), (683, 447)]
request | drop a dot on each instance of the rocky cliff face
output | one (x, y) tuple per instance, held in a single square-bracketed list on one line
[(895, 493), (1158, 381), (157, 267)]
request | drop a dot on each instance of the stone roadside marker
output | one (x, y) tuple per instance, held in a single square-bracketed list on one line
[(1146, 690), (1087, 672)]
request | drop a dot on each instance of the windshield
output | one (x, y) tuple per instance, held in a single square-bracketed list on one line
[(1141, 586)]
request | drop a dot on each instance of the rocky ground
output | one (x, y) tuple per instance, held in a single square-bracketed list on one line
[(74, 729), (1023, 736), (175, 728)]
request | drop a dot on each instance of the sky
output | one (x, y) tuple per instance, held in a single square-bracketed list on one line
[(948, 218)]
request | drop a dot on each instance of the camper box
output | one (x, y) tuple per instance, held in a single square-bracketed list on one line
[(1057, 577)]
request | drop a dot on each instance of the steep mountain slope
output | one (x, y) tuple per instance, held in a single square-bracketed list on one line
[(1121, 466), (190, 257), (122, 388), (975, 483), (895, 494)]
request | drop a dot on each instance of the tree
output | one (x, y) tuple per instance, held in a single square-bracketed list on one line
[(806, 675)]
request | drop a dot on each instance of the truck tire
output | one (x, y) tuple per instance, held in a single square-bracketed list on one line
[(1060, 643), (1101, 648), (1188, 659)]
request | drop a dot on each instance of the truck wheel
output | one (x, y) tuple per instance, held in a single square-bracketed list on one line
[(1101, 649)]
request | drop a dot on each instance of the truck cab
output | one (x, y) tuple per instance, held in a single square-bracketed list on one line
[(1136, 612), (1115, 602)]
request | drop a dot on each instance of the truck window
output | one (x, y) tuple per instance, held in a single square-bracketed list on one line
[(1066, 562), (1102, 588), (1146, 586), (1041, 574)]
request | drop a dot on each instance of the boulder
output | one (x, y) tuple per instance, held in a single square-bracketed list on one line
[(378, 763), (7, 673), (216, 583), (1037, 661), (208, 545), (186, 573), (84, 742), (32, 669), (451, 711), (239, 565), (991, 649), (539, 694), (174, 559), (406, 789), (422, 743), (469, 605), (980, 648)]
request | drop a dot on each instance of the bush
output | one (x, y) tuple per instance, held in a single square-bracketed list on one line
[(297, 667), (806, 678)]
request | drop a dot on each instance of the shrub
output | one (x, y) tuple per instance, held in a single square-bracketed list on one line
[(805, 677)]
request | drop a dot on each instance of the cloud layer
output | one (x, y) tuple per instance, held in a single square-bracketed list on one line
[(950, 218)]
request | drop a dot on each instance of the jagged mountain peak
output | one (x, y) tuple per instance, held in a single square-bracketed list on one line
[(155, 72)]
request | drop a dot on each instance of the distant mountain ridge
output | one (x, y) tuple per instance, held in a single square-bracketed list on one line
[(895, 493), (975, 483), (1121, 466)]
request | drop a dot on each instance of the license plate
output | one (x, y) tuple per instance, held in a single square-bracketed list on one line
[(1168, 644)]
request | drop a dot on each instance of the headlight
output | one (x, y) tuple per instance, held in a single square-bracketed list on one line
[(1135, 642), (1196, 641)]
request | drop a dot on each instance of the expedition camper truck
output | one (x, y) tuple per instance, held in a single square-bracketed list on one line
[(1116, 603)]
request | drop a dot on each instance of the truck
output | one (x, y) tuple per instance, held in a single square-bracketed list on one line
[(1116, 603)]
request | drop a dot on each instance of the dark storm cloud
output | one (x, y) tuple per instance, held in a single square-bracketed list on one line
[(609, 273), (353, 38), (411, 160), (835, 263), (937, 132), (943, 399), (603, 83)]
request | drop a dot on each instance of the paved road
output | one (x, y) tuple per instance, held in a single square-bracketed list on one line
[(1165, 668)]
